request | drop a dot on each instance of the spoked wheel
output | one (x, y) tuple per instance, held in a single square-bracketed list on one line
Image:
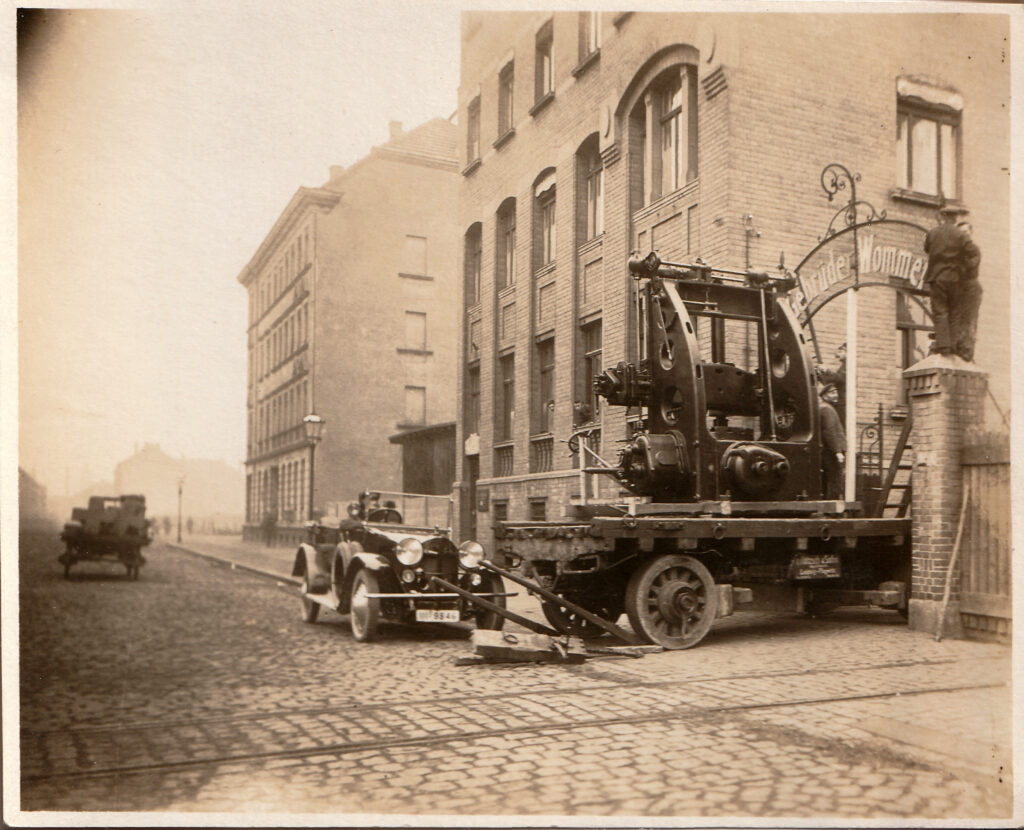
[(491, 620), (310, 609), (672, 601), (575, 624), (365, 610)]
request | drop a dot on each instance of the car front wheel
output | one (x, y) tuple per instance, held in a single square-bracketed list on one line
[(364, 615)]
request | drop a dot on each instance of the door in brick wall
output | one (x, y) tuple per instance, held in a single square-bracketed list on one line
[(985, 573)]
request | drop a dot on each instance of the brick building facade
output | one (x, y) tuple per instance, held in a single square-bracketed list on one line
[(584, 136), (350, 317)]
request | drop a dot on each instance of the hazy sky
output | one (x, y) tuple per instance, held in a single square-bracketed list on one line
[(156, 149)]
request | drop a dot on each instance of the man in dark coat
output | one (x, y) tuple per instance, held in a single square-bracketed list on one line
[(833, 444), (952, 281), (837, 378)]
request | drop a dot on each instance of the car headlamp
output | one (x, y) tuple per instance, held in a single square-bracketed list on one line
[(471, 554), (410, 551), (353, 509)]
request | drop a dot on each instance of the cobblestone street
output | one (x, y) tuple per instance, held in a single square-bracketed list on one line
[(199, 688)]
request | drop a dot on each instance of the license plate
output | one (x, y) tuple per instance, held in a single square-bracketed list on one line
[(437, 615), (816, 566)]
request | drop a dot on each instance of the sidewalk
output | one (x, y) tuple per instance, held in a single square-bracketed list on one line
[(274, 562)]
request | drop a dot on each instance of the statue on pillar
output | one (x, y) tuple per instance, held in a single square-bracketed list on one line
[(952, 281)]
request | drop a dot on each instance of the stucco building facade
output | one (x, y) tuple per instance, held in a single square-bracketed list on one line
[(350, 318), (585, 136)]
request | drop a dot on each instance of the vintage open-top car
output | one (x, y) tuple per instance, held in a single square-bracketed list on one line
[(371, 566)]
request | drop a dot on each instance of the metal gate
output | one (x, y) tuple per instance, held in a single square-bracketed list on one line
[(985, 574)]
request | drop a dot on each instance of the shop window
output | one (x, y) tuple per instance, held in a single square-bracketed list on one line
[(544, 72), (472, 263), (928, 136), (506, 99), (505, 266)]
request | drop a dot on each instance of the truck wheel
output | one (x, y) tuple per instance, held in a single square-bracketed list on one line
[(672, 601), (491, 620), (364, 613), (310, 609), (569, 622)]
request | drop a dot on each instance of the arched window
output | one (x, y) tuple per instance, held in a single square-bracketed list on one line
[(544, 227), (505, 261), (663, 132), (590, 189)]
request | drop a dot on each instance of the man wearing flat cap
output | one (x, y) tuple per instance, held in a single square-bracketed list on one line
[(952, 282)]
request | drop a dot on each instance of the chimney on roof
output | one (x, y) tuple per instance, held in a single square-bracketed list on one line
[(394, 130)]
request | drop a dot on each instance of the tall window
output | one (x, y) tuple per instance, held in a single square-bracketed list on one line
[(544, 402), (544, 72), (666, 129), (473, 254), (544, 211), (928, 148), (590, 189), (415, 330), (415, 405), (472, 401), (473, 131), (589, 365), (506, 90), (506, 409), (414, 255), (506, 247), (590, 33)]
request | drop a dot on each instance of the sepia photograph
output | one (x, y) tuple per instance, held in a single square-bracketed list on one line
[(510, 415)]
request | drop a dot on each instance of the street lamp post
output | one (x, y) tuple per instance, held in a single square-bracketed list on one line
[(314, 426), (181, 481)]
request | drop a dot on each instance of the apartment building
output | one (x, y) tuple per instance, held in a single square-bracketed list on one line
[(351, 318), (587, 135)]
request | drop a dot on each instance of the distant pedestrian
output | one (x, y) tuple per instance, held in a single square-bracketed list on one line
[(189, 526), (167, 525), (833, 444)]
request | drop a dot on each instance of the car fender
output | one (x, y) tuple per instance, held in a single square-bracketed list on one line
[(307, 561)]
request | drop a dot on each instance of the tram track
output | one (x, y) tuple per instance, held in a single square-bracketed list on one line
[(629, 683), (674, 711)]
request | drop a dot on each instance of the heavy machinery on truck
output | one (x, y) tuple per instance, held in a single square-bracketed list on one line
[(724, 472)]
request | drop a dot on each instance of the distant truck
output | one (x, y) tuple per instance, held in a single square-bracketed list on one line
[(111, 528)]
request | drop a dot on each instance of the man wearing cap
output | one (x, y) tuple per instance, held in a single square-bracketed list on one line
[(833, 443), (952, 281)]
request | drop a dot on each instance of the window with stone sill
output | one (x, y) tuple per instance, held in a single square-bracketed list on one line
[(928, 140), (544, 67), (473, 131), (590, 34), (506, 99)]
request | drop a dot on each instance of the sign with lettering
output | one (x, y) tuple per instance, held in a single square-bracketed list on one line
[(890, 252)]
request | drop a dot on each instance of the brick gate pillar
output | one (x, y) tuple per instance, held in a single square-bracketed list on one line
[(947, 396)]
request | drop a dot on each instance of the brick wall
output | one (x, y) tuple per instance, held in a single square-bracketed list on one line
[(779, 97)]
